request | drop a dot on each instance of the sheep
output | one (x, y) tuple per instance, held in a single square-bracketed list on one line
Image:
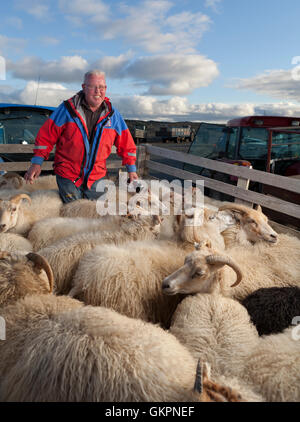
[(18, 218), (273, 309), (251, 226), (262, 266), (12, 180), (57, 342), (50, 230), (214, 328), (12, 242), (94, 354), (218, 330), (105, 273), (64, 255), (273, 366)]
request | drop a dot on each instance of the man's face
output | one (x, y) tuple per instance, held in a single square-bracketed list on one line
[(94, 91)]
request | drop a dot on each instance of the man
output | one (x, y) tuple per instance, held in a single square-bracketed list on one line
[(83, 128)]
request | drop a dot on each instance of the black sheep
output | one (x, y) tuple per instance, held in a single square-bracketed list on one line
[(273, 309)]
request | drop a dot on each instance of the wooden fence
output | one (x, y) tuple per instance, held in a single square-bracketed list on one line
[(146, 164)]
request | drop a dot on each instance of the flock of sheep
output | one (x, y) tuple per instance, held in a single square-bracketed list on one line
[(144, 308)]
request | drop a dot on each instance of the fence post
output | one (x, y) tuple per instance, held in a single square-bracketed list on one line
[(244, 184), (142, 157)]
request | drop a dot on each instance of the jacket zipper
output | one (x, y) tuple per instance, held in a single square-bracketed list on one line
[(92, 162)]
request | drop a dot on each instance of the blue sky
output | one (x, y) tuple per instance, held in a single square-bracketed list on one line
[(204, 60)]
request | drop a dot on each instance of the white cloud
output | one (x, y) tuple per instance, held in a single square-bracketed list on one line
[(213, 4), (148, 24), (50, 94), (78, 11), (169, 74), (173, 74), (147, 107), (275, 83), (37, 8), (179, 109), (66, 69), (113, 66)]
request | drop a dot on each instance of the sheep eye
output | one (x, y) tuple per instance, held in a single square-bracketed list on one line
[(253, 222), (14, 209), (198, 273)]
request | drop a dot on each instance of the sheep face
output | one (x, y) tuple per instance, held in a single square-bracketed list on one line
[(9, 210), (22, 275), (199, 272), (254, 222)]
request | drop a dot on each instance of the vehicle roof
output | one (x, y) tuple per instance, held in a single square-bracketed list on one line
[(267, 121), (7, 105)]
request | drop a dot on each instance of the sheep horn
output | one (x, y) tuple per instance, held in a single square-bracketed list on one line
[(17, 198), (220, 259), (41, 262), (234, 207), (198, 380)]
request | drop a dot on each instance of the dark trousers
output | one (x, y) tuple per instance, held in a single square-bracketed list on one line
[(69, 192)]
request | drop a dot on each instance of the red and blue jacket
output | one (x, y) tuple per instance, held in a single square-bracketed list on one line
[(76, 158)]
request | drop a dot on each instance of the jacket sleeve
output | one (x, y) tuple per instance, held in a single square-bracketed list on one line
[(48, 135), (125, 145)]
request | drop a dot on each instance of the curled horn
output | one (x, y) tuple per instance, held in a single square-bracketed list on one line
[(220, 259), (235, 207), (41, 263), (17, 198), (198, 380)]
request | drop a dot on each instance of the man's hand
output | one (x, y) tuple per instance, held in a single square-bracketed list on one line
[(32, 173), (132, 176)]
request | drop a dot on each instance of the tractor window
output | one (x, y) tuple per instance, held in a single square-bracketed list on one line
[(233, 134), (20, 126), (285, 145), (254, 143)]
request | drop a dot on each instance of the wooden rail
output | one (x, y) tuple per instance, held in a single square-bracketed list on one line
[(243, 174), (145, 163)]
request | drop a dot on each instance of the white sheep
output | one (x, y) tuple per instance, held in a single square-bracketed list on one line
[(102, 279), (64, 255), (12, 180), (218, 330), (50, 230), (273, 366), (12, 242), (18, 217), (57, 342), (262, 265)]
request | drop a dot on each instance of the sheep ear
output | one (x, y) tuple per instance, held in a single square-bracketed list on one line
[(258, 208), (40, 263)]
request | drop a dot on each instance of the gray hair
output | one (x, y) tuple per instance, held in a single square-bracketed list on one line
[(93, 72)]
